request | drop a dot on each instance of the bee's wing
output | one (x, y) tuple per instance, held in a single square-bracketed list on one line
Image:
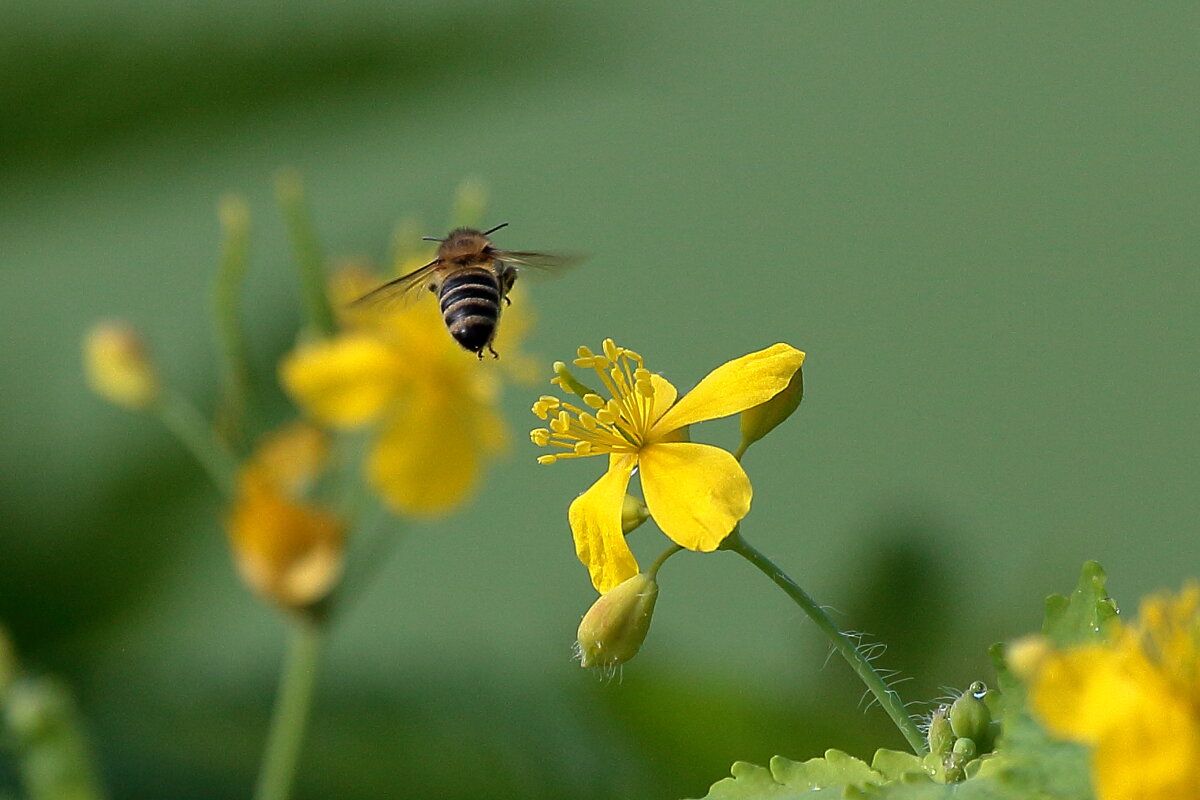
[(543, 265), (399, 291)]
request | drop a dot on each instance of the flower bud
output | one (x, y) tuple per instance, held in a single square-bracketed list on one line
[(969, 715), (760, 420), (118, 367), (633, 514), (940, 737), (615, 626)]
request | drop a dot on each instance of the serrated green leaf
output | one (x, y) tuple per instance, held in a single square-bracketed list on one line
[(827, 777), (1086, 615)]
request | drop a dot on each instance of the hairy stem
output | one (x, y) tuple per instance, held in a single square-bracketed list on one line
[(888, 698)]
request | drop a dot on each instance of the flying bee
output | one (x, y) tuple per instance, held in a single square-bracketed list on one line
[(470, 278)]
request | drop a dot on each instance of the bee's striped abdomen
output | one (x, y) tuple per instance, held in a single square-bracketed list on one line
[(470, 301)]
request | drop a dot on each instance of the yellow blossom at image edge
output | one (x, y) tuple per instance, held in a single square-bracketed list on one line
[(1135, 700)]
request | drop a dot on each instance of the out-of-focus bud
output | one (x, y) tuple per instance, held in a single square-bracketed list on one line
[(940, 736), (615, 626), (633, 513), (118, 367), (53, 754), (760, 420), (970, 717)]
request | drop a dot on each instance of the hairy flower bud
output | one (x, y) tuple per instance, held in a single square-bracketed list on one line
[(118, 367), (940, 737), (615, 626)]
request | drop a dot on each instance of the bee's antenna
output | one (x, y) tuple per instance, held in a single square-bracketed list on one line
[(498, 227), (431, 239)]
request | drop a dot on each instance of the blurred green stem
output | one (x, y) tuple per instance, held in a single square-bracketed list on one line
[(858, 661), (289, 188), (231, 339), (193, 431), (290, 718)]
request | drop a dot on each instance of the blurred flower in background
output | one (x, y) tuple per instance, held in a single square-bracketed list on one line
[(1134, 699)]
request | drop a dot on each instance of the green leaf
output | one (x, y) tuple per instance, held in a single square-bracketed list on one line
[(895, 764), (1086, 615), (826, 777)]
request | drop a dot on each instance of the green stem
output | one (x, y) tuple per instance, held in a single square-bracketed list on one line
[(191, 428), (231, 274), (290, 718), (289, 188), (662, 559), (888, 698)]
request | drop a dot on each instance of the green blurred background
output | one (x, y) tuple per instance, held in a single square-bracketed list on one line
[(979, 220)]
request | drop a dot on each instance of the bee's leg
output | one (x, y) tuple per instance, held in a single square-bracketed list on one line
[(507, 279), (491, 350)]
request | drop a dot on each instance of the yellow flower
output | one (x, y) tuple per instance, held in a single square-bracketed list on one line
[(287, 550), (696, 493), (431, 404), (1134, 699)]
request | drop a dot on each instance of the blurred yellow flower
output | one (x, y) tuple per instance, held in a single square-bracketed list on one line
[(288, 550), (1135, 699), (696, 493), (432, 404), (118, 367)]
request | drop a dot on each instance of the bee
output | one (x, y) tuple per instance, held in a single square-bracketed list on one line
[(470, 278)]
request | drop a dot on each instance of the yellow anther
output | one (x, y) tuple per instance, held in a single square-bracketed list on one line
[(606, 417), (584, 351), (547, 459), (561, 424), (582, 448), (645, 388), (641, 374), (550, 400), (630, 354), (540, 436), (593, 400), (588, 421), (611, 351)]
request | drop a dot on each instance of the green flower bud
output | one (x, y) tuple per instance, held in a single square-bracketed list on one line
[(613, 629), (633, 513), (969, 715), (940, 737), (55, 759), (757, 422)]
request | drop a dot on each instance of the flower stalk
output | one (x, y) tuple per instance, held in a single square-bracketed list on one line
[(888, 698), (290, 717)]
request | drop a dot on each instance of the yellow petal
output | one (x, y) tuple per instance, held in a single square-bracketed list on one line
[(1085, 692), (1154, 754), (696, 492), (290, 553), (665, 394), (345, 381), (733, 387), (427, 461), (291, 457), (595, 518)]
